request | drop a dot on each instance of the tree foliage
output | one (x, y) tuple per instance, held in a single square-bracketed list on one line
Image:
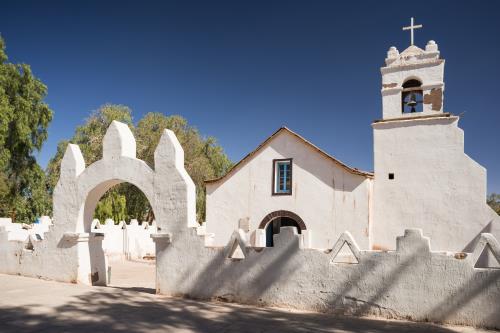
[(204, 159), (89, 138), (494, 202), (112, 206), (24, 119)]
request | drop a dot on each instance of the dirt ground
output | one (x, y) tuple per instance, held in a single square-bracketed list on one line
[(130, 305)]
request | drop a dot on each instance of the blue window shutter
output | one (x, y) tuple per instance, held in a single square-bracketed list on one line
[(284, 176)]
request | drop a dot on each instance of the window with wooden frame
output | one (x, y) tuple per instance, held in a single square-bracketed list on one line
[(282, 176)]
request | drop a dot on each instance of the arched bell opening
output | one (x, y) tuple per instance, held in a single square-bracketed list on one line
[(273, 222), (412, 97)]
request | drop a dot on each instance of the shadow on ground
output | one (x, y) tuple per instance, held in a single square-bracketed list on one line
[(129, 310)]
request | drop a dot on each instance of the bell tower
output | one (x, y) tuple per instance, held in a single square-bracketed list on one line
[(412, 81), (423, 179)]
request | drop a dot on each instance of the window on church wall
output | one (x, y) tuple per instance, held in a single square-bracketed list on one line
[(282, 177), (411, 97)]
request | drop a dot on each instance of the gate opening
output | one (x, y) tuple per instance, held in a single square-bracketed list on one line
[(120, 242)]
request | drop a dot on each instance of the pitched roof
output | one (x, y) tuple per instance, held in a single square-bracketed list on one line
[(287, 130)]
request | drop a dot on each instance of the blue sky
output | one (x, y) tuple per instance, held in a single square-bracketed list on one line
[(240, 70)]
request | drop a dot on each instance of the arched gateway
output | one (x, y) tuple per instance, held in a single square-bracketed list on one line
[(168, 188)]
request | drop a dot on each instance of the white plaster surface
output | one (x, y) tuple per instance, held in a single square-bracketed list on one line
[(70, 251), (328, 198), (411, 282), (126, 240), (412, 63), (437, 188)]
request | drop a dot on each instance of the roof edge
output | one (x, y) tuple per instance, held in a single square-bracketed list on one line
[(355, 171)]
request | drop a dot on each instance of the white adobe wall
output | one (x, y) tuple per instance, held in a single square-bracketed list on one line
[(126, 241), (39, 229), (411, 282), (21, 232), (112, 243), (47, 259), (329, 199), (437, 187), (70, 252), (14, 230), (137, 239)]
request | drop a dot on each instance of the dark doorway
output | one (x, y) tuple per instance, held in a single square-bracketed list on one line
[(274, 226)]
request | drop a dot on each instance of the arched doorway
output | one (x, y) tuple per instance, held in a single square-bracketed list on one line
[(282, 218)]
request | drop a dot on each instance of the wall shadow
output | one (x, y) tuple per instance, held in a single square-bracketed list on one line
[(346, 301), (465, 294), (227, 274), (118, 310)]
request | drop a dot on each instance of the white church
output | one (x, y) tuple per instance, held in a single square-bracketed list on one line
[(422, 177), (417, 227)]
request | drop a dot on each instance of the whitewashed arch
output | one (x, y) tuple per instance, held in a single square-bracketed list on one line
[(168, 187)]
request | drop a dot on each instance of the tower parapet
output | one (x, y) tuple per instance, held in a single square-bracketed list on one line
[(413, 82)]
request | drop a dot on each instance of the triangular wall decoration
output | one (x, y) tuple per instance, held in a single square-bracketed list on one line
[(236, 248), (487, 244), (345, 256), (236, 251), (353, 257)]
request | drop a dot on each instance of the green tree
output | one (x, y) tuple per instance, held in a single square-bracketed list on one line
[(111, 206), (89, 138), (24, 119), (494, 202), (204, 159)]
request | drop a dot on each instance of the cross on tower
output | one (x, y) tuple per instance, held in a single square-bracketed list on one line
[(411, 28)]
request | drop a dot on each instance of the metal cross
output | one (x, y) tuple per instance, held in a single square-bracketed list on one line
[(411, 28)]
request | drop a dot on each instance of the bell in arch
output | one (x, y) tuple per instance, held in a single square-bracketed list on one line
[(412, 102), (411, 96)]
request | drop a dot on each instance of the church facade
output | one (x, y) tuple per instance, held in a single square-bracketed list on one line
[(280, 222), (422, 178), (288, 181)]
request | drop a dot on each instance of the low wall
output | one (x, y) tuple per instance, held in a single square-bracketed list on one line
[(411, 283), (21, 232), (36, 250), (32, 250), (126, 241)]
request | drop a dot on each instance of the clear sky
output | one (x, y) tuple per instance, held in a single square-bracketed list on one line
[(240, 70)]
